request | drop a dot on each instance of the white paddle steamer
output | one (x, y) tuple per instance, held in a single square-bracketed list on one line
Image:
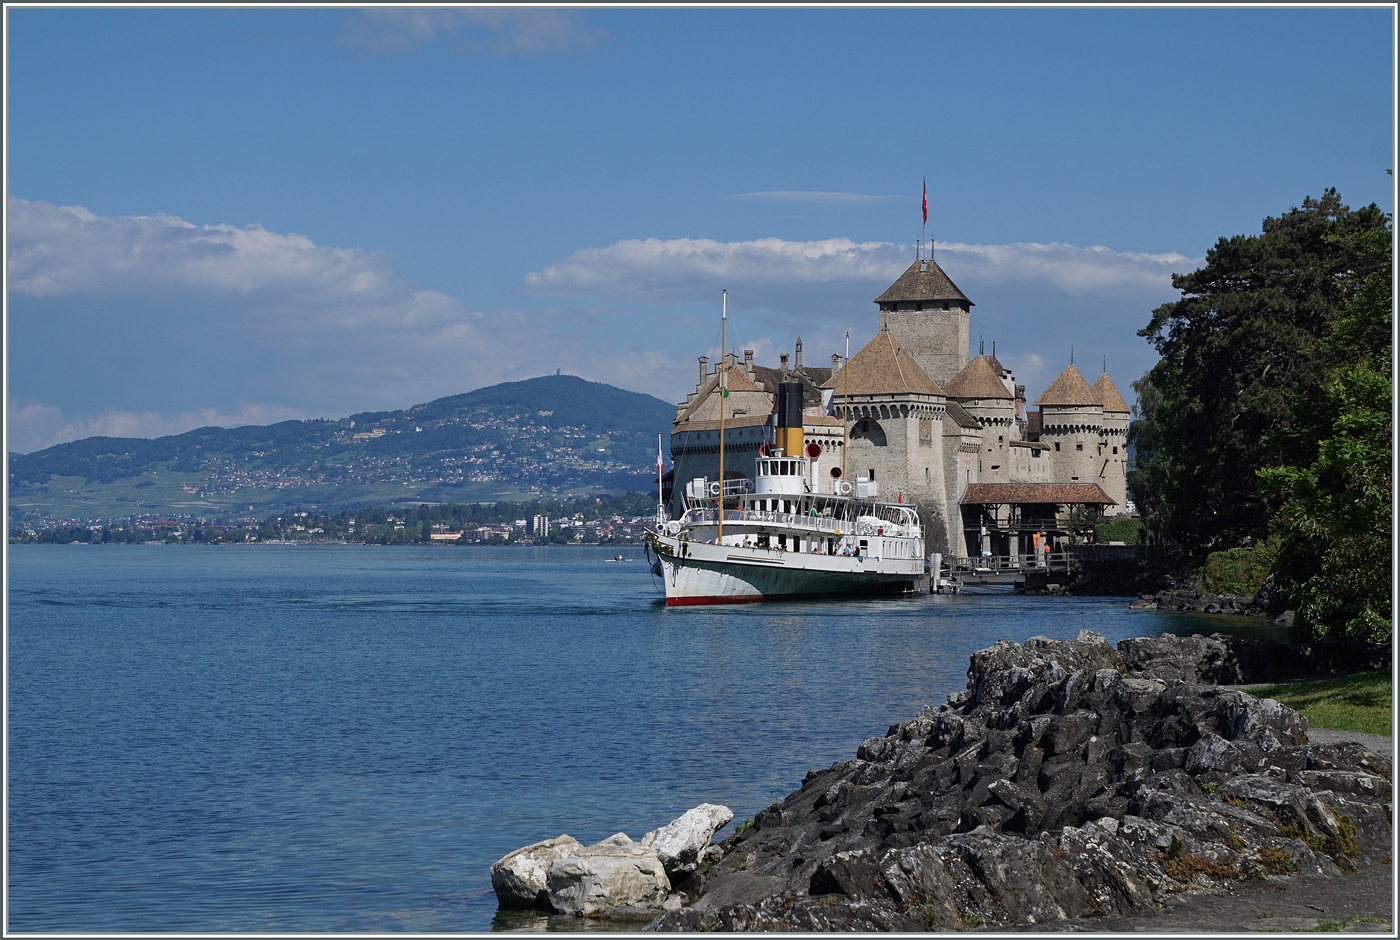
[(780, 538)]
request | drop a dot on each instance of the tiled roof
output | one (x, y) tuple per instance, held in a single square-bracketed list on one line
[(978, 379), (959, 414), (738, 382), (882, 367), (924, 280), (1005, 494), (1068, 389), (1109, 397), (810, 378), (736, 421)]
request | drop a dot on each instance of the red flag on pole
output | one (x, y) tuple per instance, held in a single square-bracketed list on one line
[(925, 201)]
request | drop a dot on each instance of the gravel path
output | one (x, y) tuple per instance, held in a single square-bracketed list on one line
[(1361, 902), (1375, 743)]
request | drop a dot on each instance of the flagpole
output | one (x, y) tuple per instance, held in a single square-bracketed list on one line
[(660, 498), (723, 388), (930, 253)]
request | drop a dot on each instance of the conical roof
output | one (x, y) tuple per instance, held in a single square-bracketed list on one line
[(1109, 397), (978, 379), (882, 367), (1069, 390), (924, 280)]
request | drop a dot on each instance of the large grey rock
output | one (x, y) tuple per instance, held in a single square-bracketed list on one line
[(680, 842), (519, 877), (611, 874), (1069, 779)]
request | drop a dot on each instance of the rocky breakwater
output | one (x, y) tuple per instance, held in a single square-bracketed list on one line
[(615, 878), (1069, 780), (1190, 594)]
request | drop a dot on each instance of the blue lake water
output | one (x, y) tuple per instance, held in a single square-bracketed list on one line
[(344, 738)]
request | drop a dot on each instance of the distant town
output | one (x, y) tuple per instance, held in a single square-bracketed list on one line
[(597, 520)]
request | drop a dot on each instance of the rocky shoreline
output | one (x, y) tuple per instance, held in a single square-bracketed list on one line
[(1069, 781)]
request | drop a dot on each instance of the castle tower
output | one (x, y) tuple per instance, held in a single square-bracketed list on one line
[(1071, 420), (896, 415), (1113, 470), (929, 315), (982, 393)]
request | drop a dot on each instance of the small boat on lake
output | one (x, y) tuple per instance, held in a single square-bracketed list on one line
[(782, 539)]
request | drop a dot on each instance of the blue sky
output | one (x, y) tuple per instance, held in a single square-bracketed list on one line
[(237, 216)]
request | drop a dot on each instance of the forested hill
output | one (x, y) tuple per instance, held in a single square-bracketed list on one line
[(545, 435)]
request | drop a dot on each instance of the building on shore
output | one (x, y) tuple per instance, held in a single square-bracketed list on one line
[(914, 417)]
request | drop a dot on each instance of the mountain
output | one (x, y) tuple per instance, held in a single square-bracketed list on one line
[(546, 436)]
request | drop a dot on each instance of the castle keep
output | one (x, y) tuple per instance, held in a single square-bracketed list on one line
[(916, 418)]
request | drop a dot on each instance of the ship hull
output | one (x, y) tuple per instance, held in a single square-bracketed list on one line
[(699, 573)]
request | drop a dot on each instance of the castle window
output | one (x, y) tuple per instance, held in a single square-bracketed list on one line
[(927, 478), (1115, 450), (1057, 445), (872, 473), (999, 437), (1078, 446)]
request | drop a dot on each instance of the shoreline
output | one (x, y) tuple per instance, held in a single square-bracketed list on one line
[(1071, 787)]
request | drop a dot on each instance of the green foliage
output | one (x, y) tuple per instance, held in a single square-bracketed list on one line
[(1335, 525), (1241, 362), (1240, 571), (1129, 529), (1361, 702)]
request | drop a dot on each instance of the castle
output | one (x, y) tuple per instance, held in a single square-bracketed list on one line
[(914, 417)]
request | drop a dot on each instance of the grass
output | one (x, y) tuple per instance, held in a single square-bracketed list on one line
[(1350, 703)]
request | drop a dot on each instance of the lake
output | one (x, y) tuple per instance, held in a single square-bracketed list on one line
[(338, 739)]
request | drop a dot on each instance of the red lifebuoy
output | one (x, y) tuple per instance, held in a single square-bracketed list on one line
[(763, 450)]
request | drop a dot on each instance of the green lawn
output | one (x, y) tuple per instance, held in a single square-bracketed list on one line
[(1350, 703)]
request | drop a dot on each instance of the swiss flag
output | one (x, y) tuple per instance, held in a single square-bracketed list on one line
[(925, 201)]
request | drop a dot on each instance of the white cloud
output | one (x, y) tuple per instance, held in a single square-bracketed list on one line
[(687, 269), (503, 31), (32, 426), (67, 250)]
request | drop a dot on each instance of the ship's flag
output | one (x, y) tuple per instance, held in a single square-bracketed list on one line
[(925, 200)]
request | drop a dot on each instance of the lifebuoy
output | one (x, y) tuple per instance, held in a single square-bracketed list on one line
[(844, 488), (814, 450), (714, 489), (673, 528), (763, 449)]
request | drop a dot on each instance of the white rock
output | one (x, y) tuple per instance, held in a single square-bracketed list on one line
[(616, 872), (519, 877), (680, 842)]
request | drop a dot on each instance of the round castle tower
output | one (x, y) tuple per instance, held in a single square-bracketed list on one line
[(1114, 443), (982, 393), (1072, 424)]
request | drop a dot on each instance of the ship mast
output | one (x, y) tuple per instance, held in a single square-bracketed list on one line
[(845, 406), (723, 391)]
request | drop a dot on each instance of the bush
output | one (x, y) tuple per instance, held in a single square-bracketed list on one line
[(1240, 571), (1129, 529)]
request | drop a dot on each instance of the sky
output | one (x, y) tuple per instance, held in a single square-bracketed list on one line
[(239, 216)]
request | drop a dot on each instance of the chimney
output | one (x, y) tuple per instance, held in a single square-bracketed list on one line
[(783, 359), (798, 351), (748, 360), (835, 363), (704, 368)]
